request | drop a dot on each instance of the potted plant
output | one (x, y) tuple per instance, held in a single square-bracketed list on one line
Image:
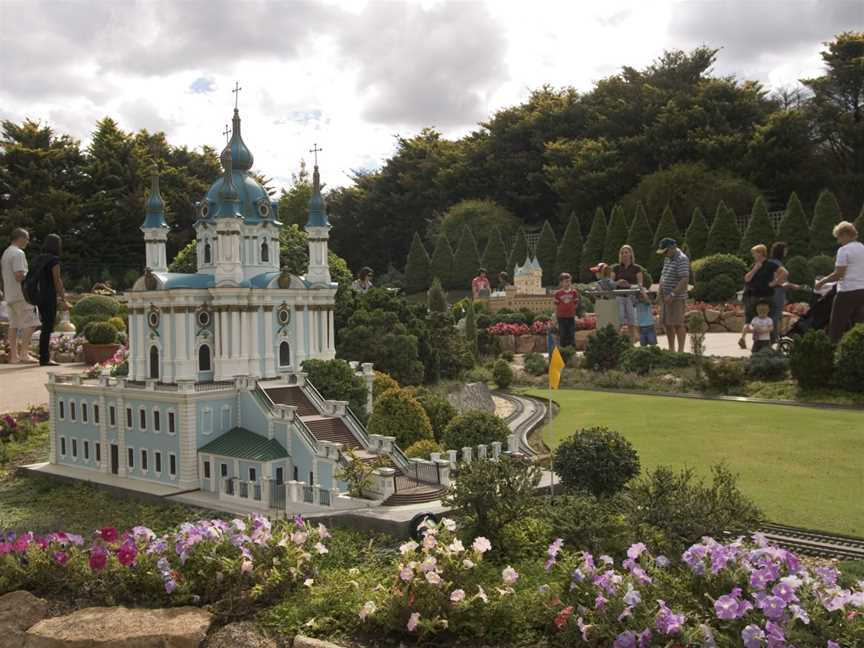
[(101, 342)]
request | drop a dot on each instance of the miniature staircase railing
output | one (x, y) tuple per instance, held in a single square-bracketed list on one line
[(270, 407)]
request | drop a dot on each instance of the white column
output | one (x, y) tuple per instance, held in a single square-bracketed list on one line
[(300, 335), (133, 359), (269, 365), (313, 332), (331, 337), (182, 368), (105, 463), (144, 346), (223, 334), (121, 438), (245, 317), (167, 372), (255, 355), (235, 334)]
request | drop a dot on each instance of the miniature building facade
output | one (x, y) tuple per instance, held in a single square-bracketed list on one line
[(526, 292)]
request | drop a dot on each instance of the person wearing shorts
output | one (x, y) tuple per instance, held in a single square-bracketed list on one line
[(674, 280), (23, 318), (627, 274)]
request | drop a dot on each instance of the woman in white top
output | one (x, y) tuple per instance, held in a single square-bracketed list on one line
[(848, 307)]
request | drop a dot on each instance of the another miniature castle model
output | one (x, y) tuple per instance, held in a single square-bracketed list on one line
[(215, 400), (526, 292)]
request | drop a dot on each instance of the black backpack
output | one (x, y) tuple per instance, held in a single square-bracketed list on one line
[(30, 285)]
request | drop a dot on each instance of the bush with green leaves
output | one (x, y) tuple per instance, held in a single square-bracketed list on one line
[(94, 308), (605, 349), (643, 360), (502, 373), (535, 364), (849, 359), (598, 525), (381, 383), (336, 380), (801, 274), (118, 323), (422, 449), (474, 428), (437, 408), (596, 460), (398, 414), (724, 374), (707, 272), (685, 508), (767, 364), (488, 345), (821, 265), (100, 333), (811, 360), (525, 537)]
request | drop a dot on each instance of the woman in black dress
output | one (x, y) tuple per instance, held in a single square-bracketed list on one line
[(51, 295)]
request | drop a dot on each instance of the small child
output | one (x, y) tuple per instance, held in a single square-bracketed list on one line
[(761, 327), (645, 318), (603, 272)]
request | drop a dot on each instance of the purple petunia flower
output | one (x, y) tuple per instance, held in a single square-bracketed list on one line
[(127, 553), (667, 622), (772, 607), (752, 636), (661, 561), (726, 607), (636, 550), (632, 598), (626, 639), (98, 558)]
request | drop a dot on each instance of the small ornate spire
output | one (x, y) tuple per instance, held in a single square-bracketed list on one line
[(317, 210), (230, 199), (154, 206), (240, 153)]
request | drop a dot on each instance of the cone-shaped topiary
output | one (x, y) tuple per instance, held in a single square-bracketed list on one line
[(794, 229), (616, 235), (436, 298), (518, 254), (417, 267), (666, 228), (570, 249), (592, 252), (546, 251), (441, 265), (825, 216), (641, 237), (466, 260), (724, 237), (697, 235), (759, 229), (495, 256)]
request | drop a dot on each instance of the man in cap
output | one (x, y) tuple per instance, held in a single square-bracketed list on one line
[(674, 280)]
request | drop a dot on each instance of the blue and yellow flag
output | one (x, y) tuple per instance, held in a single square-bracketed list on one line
[(556, 365)]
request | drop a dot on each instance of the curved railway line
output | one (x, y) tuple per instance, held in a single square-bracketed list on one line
[(527, 414)]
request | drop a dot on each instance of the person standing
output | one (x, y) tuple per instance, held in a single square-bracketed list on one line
[(780, 284), (22, 316), (674, 280), (480, 287), (628, 274), (848, 307), (761, 326), (52, 295), (363, 282), (757, 280), (566, 300)]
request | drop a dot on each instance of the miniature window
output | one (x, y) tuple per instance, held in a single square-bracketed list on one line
[(171, 425), (207, 421), (283, 315), (62, 446), (154, 363), (296, 474), (112, 416), (86, 451), (204, 358), (98, 452), (207, 254), (143, 461), (72, 410), (203, 318), (311, 478), (226, 417), (284, 355), (265, 253), (84, 417), (206, 470), (142, 419), (223, 470), (128, 418), (130, 457), (158, 457), (95, 414), (157, 420), (253, 475), (62, 409), (172, 465), (74, 448)]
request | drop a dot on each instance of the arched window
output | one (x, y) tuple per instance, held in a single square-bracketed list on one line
[(265, 252), (204, 358), (154, 363), (207, 254), (284, 355)]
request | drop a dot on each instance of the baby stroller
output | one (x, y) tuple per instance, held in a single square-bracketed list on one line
[(816, 319)]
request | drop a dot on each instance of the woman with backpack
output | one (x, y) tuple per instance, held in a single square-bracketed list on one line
[(50, 294)]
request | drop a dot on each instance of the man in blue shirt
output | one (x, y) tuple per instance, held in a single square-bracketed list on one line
[(674, 280)]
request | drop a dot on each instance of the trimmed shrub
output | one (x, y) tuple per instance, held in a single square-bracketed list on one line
[(381, 383), (697, 235), (849, 359), (418, 273), (706, 272), (799, 273), (441, 263), (535, 364), (724, 375), (488, 345), (518, 254), (759, 229), (605, 349), (336, 380), (596, 460), (642, 360), (546, 252), (767, 364), (471, 327), (474, 428), (569, 249), (93, 308), (666, 228), (719, 289), (118, 323), (100, 333), (502, 374), (821, 265), (811, 360), (595, 525), (724, 237), (422, 449), (466, 260), (640, 236), (526, 537), (436, 298), (616, 235), (398, 414), (495, 256), (826, 215), (592, 252), (794, 228), (437, 408)]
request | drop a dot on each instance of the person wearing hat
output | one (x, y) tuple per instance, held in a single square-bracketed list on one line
[(363, 283), (674, 280), (480, 286)]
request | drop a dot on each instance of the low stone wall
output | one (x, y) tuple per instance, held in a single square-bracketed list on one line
[(472, 397), (732, 321)]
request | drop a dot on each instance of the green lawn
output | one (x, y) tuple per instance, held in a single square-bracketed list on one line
[(803, 466)]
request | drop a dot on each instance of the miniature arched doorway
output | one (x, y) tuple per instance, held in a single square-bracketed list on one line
[(284, 355), (265, 253), (154, 363), (204, 363), (207, 253)]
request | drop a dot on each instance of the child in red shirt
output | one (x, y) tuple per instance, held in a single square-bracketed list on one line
[(566, 300)]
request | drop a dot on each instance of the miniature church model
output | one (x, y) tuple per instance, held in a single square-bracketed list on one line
[(526, 292), (215, 400)]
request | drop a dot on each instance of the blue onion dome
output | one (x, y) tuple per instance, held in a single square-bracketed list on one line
[(154, 206), (317, 209), (240, 153)]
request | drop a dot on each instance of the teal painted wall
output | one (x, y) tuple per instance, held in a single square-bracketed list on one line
[(217, 423), (252, 416)]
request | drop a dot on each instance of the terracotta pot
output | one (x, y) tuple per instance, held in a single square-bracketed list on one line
[(97, 353), (524, 343), (507, 343), (540, 344)]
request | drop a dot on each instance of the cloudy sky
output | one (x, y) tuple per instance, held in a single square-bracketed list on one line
[(349, 75)]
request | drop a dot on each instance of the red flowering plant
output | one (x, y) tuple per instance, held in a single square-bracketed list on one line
[(502, 328), (540, 327), (586, 323), (117, 365)]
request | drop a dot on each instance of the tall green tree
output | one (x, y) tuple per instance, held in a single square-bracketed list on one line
[(495, 255), (641, 236), (294, 203), (471, 327), (794, 228), (759, 229), (697, 235), (436, 298), (616, 235), (418, 272), (482, 217), (592, 252), (666, 228), (826, 215), (466, 260), (519, 252), (441, 265), (570, 249), (724, 237), (546, 252)]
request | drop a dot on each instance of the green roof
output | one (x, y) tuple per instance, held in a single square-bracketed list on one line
[(240, 443)]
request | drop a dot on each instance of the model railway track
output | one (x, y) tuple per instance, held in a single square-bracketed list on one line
[(814, 543), (527, 414)]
